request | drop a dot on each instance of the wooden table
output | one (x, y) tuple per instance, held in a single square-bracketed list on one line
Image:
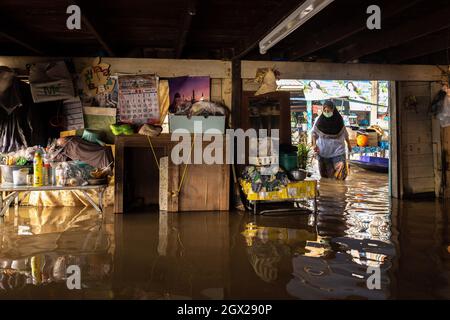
[(13, 191)]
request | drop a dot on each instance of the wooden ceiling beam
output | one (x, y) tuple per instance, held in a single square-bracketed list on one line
[(186, 26), (343, 28), (22, 43), (91, 27), (97, 35), (376, 41)]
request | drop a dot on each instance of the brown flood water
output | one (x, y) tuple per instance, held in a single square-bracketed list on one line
[(233, 255)]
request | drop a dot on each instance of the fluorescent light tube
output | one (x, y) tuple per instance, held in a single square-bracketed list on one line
[(306, 11)]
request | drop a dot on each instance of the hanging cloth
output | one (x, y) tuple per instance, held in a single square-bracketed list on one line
[(11, 134), (9, 95)]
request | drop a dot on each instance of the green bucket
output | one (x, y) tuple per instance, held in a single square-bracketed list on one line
[(288, 161)]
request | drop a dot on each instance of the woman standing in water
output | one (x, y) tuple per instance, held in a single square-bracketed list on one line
[(329, 137)]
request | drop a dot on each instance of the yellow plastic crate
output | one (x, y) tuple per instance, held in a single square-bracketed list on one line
[(68, 133), (294, 190)]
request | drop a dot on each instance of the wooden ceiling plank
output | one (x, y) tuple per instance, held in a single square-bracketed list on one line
[(377, 41), (342, 30), (274, 19), (419, 48)]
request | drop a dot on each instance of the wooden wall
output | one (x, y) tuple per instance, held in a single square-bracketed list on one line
[(344, 71), (417, 162), (219, 71), (446, 144), (418, 137)]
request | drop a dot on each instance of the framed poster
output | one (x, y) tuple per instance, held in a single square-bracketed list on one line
[(138, 99), (185, 91)]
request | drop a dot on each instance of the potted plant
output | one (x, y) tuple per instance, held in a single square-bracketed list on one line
[(304, 156)]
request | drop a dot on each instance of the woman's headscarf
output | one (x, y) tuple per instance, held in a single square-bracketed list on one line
[(332, 125)]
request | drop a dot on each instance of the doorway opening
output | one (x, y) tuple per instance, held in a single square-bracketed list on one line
[(365, 109)]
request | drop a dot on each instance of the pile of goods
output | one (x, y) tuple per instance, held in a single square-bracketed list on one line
[(38, 166), (119, 129), (277, 186), (201, 108), (286, 181), (15, 166), (128, 129), (264, 183), (373, 136)]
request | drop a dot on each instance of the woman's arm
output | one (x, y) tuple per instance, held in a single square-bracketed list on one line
[(349, 146), (347, 139), (314, 143)]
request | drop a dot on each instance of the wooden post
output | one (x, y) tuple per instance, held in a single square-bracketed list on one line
[(395, 185), (173, 185), (374, 99), (237, 93), (119, 175)]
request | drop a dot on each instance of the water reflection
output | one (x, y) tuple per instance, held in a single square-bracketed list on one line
[(330, 260), (211, 255), (37, 245)]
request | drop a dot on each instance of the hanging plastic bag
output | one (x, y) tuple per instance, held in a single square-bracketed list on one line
[(444, 114), (51, 81), (267, 79)]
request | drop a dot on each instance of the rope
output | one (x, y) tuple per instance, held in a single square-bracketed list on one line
[(174, 193), (153, 151)]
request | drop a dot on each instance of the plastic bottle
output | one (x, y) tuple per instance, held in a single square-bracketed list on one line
[(37, 168), (45, 170)]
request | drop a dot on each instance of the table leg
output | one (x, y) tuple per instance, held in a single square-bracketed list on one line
[(9, 199), (101, 192), (91, 201), (315, 198)]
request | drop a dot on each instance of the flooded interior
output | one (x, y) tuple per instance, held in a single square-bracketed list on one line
[(233, 255)]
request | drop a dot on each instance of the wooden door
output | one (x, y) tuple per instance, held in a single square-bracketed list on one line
[(415, 139)]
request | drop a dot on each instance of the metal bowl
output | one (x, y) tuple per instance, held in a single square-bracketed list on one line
[(7, 171), (298, 174), (96, 182)]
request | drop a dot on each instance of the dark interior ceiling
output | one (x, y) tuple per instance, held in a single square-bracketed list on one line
[(413, 31)]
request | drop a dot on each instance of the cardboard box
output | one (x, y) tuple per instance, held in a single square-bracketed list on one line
[(353, 134), (373, 139), (203, 124)]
